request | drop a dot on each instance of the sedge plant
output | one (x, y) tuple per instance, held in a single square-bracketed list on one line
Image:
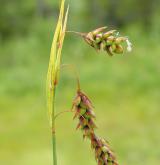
[(82, 107)]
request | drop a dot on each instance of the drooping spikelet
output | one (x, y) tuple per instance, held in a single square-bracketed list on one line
[(109, 41), (84, 113), (103, 153)]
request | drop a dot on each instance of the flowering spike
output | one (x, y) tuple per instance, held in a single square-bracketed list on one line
[(85, 114), (107, 41)]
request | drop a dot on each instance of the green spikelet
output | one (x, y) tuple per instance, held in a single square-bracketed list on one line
[(106, 41)]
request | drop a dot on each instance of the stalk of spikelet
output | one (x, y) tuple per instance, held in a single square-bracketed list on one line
[(85, 114)]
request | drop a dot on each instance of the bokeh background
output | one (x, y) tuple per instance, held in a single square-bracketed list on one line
[(125, 89)]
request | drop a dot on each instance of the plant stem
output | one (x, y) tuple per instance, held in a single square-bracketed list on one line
[(77, 33), (53, 129)]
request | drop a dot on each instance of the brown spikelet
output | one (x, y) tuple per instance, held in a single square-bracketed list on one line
[(85, 114)]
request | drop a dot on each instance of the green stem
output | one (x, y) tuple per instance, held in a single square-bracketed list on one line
[(54, 130)]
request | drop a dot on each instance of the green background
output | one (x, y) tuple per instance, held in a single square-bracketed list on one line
[(125, 89)]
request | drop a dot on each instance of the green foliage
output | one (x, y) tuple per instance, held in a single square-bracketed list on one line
[(17, 16), (126, 97)]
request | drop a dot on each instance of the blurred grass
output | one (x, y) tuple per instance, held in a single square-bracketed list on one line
[(124, 89)]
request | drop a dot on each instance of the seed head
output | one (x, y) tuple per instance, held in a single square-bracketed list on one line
[(109, 41), (85, 114)]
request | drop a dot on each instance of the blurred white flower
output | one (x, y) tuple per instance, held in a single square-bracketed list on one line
[(117, 34), (129, 45)]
